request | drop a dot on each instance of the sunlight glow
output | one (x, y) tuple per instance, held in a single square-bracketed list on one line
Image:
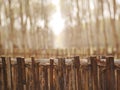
[(57, 22), (92, 5), (118, 1)]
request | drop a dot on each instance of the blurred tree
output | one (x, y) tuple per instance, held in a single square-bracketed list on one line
[(113, 22), (0, 25), (103, 24)]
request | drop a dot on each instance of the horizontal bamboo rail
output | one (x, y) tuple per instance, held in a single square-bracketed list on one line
[(55, 53)]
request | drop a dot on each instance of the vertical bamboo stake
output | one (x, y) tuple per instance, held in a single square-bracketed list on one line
[(110, 73), (45, 69), (20, 74), (86, 80), (56, 78), (67, 77), (9, 73), (100, 78), (14, 76), (94, 72), (4, 66), (77, 66), (33, 73), (89, 75), (0, 76), (37, 77), (23, 72), (103, 80), (27, 82), (51, 74), (74, 75), (61, 65), (118, 79)]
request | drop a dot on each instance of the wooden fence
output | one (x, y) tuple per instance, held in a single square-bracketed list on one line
[(95, 74)]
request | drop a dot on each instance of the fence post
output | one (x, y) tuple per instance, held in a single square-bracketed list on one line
[(45, 69), (23, 72), (9, 73), (68, 76), (0, 75), (33, 73), (76, 63), (110, 83), (20, 74), (118, 79), (90, 86), (51, 74), (37, 77), (61, 73), (4, 67), (94, 70)]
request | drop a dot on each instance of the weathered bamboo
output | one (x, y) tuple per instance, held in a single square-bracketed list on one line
[(1, 76), (20, 76), (28, 78), (94, 72), (118, 79), (45, 69), (74, 75), (67, 77), (104, 80), (33, 75), (23, 73), (77, 66), (9, 73), (4, 67), (89, 76), (37, 77), (61, 65), (51, 74), (110, 73)]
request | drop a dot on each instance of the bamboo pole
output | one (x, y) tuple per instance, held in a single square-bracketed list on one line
[(118, 79), (20, 75), (33, 73), (94, 72), (51, 74), (1, 76), (45, 69), (9, 73), (77, 66), (110, 73), (37, 77), (4, 68), (61, 73)]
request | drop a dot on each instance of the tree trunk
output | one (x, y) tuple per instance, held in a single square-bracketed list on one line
[(11, 16), (113, 25), (104, 30), (90, 26)]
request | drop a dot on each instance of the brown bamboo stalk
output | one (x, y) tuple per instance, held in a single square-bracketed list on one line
[(94, 73), (33, 73), (37, 77), (5, 80), (110, 73), (118, 79), (61, 73), (51, 74), (20, 75), (0, 76), (77, 66), (45, 69)]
